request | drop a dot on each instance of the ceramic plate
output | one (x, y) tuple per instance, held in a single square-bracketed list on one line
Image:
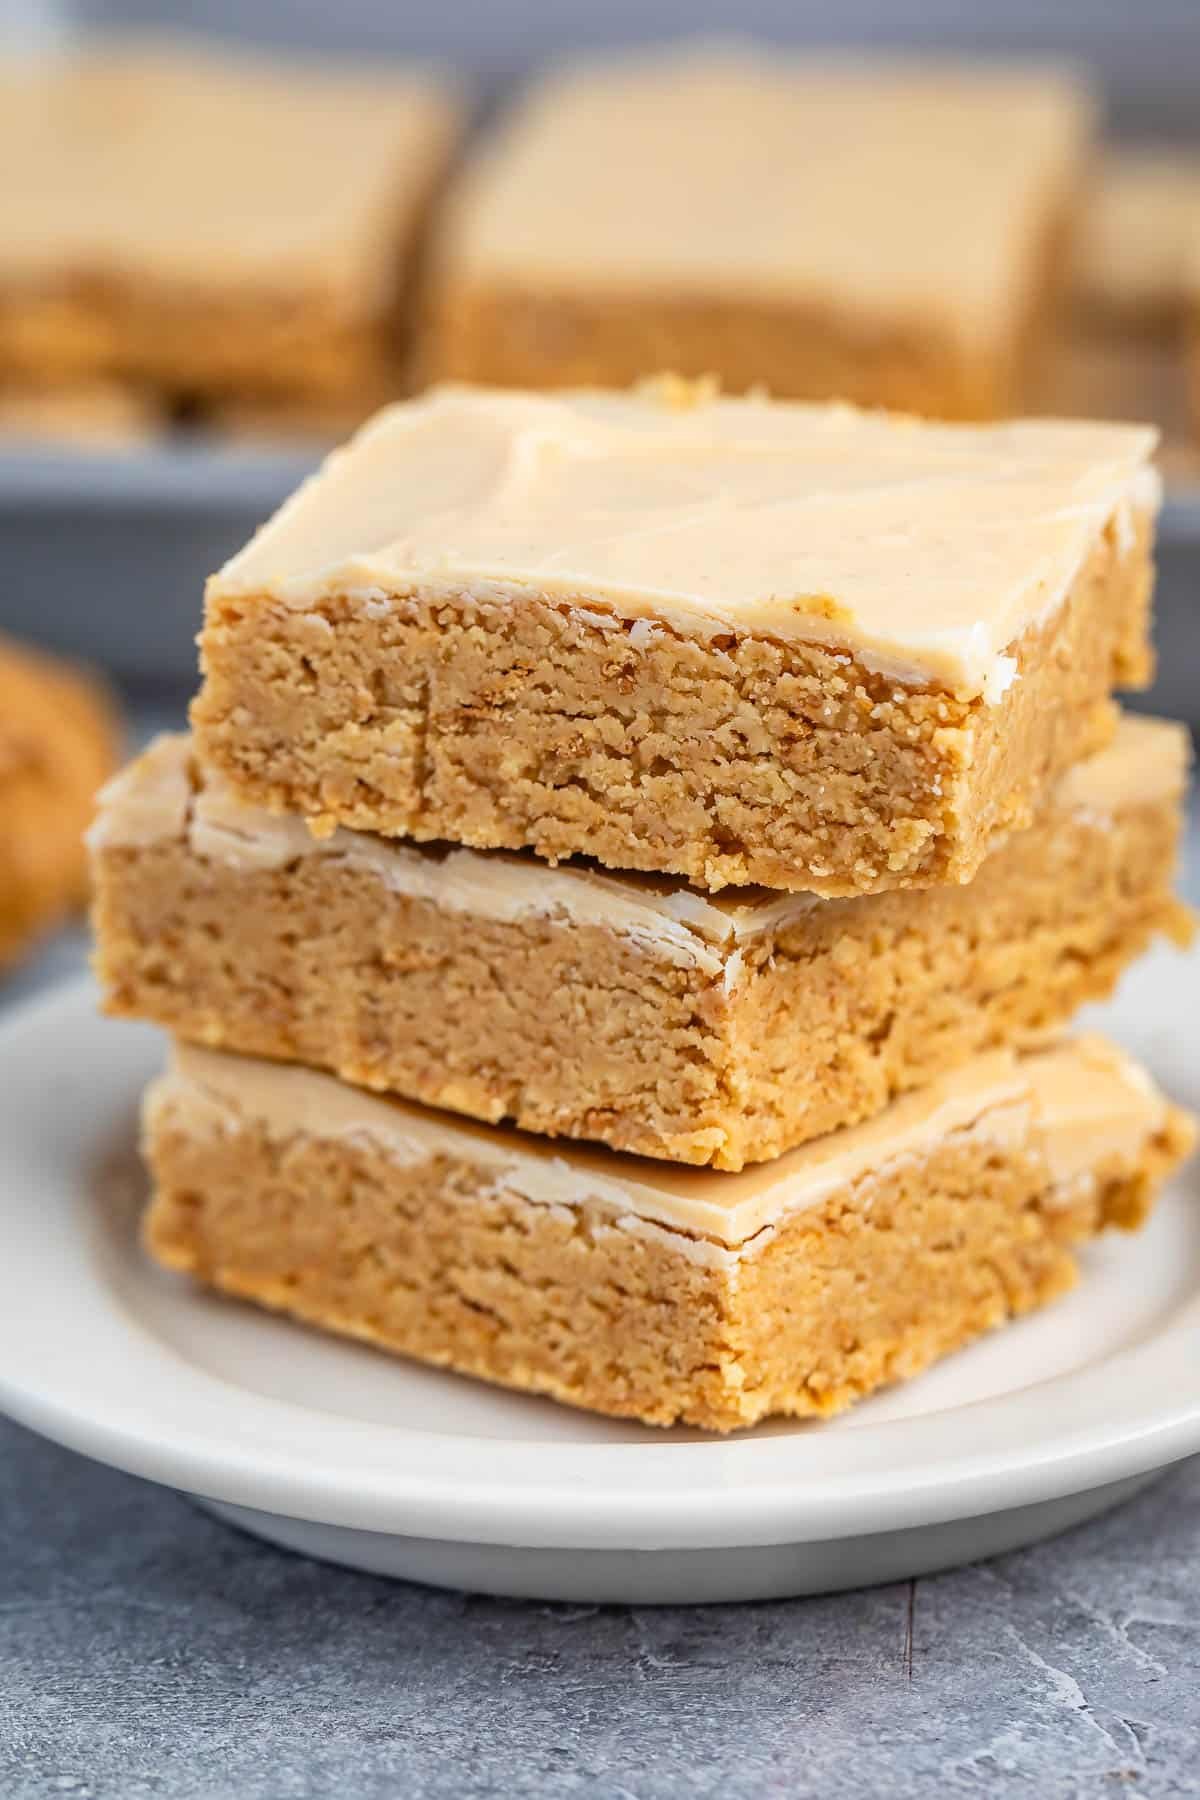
[(345, 1453)]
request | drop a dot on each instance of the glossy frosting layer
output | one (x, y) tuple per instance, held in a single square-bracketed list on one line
[(902, 193), (925, 550), (164, 797), (1078, 1106)]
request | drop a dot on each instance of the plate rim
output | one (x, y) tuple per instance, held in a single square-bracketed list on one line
[(788, 1488)]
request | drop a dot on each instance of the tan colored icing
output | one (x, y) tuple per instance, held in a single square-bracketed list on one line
[(924, 549), (147, 802), (1141, 229), (173, 162), (1093, 1107), (1055, 1102), (901, 194), (153, 801)]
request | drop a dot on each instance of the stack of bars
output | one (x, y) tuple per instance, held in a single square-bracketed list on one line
[(717, 809)]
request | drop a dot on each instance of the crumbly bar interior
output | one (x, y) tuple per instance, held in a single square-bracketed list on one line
[(734, 760)]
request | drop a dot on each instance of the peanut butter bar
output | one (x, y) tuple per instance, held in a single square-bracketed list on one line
[(625, 1009), (741, 641), (887, 233), (636, 1288), (216, 226)]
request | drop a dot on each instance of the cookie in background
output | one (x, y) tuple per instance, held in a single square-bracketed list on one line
[(59, 740)]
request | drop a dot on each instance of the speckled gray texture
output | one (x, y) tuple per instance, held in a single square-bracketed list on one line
[(146, 1650)]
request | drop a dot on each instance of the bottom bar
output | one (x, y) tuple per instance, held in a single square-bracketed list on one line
[(640, 1288)]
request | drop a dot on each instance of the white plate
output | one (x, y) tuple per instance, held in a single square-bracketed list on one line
[(347, 1454)]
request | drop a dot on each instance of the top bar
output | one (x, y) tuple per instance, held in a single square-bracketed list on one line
[(737, 640), (885, 231)]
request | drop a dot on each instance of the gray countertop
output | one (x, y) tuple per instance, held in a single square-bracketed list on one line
[(146, 1650)]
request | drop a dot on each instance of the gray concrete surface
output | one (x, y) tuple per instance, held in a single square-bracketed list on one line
[(147, 1651)]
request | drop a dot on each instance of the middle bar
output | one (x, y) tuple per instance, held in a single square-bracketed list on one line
[(626, 1009)]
